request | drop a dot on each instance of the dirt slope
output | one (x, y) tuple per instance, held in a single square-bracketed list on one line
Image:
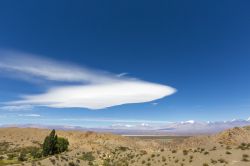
[(231, 147)]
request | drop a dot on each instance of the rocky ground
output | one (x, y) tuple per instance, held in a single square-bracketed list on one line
[(231, 147)]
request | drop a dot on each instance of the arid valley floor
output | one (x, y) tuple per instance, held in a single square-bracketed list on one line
[(231, 147)]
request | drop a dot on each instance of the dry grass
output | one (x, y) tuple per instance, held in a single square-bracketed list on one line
[(89, 148)]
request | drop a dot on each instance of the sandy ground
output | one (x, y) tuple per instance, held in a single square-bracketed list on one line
[(225, 148)]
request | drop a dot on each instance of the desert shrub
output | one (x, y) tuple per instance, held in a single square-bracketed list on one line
[(61, 145), (22, 157), (123, 148), (206, 153), (36, 152), (53, 161), (1, 157), (88, 156), (205, 164), (90, 163), (64, 158), (227, 152), (4, 146), (11, 156), (174, 151), (245, 159), (106, 162), (143, 152), (213, 161), (245, 155), (221, 160), (244, 146), (185, 152), (163, 159), (72, 164)]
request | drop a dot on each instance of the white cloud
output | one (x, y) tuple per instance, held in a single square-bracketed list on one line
[(133, 121), (30, 115), (122, 74), (99, 96), (95, 89), (50, 70), (248, 119), (16, 108), (154, 104)]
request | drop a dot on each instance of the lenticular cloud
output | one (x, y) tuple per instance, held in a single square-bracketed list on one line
[(93, 89)]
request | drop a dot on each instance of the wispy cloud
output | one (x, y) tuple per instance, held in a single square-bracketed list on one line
[(94, 89), (122, 74), (133, 121), (29, 115), (154, 104), (16, 108)]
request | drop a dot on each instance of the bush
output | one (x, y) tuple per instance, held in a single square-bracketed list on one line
[(245, 155), (88, 156), (185, 152), (122, 148), (35, 152), (62, 145), (174, 151), (22, 157), (206, 153), (221, 160), (11, 156)]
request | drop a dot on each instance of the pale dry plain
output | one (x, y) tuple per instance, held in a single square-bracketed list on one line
[(231, 147)]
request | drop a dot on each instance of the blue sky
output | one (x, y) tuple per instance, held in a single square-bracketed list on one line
[(199, 48)]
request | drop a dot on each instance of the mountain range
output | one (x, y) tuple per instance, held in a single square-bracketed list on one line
[(190, 127)]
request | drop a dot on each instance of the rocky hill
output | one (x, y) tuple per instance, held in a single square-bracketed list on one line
[(230, 147)]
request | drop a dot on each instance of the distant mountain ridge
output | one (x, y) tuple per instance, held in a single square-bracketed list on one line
[(190, 127)]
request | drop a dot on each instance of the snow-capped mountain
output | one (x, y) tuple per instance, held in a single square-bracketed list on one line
[(186, 127), (189, 127)]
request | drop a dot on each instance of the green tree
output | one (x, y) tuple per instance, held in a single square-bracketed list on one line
[(49, 144), (53, 144)]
